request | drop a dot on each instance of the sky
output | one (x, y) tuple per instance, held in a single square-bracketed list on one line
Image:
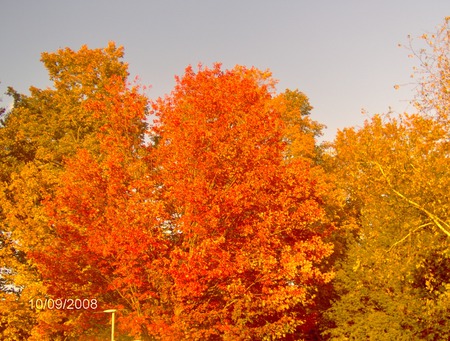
[(343, 55)]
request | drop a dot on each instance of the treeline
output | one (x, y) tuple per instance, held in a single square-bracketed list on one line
[(213, 214)]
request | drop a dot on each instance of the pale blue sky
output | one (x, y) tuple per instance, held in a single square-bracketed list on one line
[(342, 54)]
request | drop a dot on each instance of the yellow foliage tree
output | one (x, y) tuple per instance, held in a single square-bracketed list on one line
[(394, 282), (36, 136)]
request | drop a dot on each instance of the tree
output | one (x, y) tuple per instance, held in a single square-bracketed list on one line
[(300, 131), (393, 282), (215, 228), (385, 167), (246, 226), (432, 74), (106, 215), (36, 136)]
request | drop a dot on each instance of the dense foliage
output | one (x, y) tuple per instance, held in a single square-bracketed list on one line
[(223, 218)]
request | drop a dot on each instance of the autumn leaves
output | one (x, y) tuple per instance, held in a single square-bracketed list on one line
[(223, 219), (247, 243), (395, 171), (199, 226)]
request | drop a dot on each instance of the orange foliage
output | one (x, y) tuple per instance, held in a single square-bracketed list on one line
[(246, 227), (204, 231), (107, 243)]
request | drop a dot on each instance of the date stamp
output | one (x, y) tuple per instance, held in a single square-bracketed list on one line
[(63, 303)]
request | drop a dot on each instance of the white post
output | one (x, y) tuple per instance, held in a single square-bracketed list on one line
[(113, 312)]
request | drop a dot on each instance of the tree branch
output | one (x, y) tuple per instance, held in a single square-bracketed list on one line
[(441, 224)]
